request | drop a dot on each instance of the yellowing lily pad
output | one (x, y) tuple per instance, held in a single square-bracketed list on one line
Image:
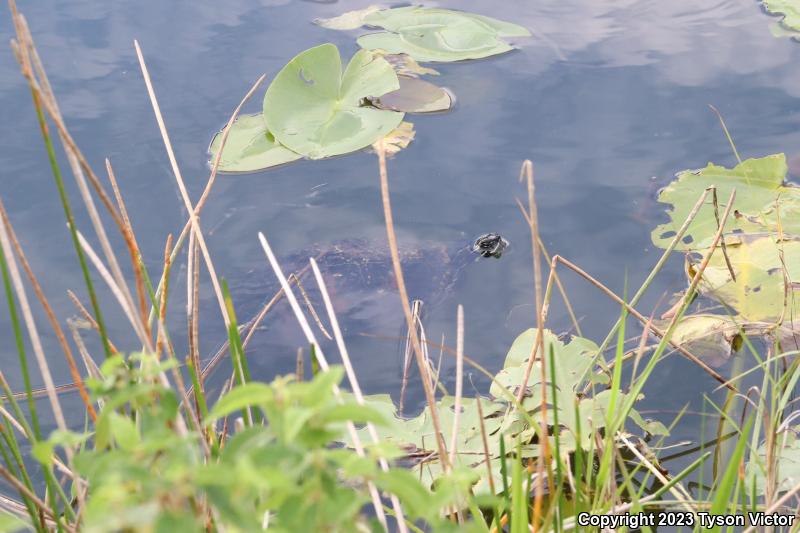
[(434, 34), (790, 9), (249, 147), (761, 199), (757, 295), (316, 110)]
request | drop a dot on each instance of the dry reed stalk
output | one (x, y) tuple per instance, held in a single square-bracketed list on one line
[(485, 441), (125, 304), (407, 360), (212, 177), (33, 332), (51, 317), (557, 278), (162, 310), (678, 491), (80, 179), (40, 505), (401, 287), (353, 379), (323, 363), (310, 307), (133, 246), (543, 459), (193, 217), (88, 317), (459, 382)]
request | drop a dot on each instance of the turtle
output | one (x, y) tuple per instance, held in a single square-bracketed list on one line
[(359, 273)]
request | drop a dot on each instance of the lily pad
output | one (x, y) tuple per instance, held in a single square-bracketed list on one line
[(761, 198), (250, 147), (405, 65), (349, 20), (790, 9), (788, 461), (416, 96), (398, 139), (711, 337), (313, 108), (434, 34), (572, 361), (757, 295)]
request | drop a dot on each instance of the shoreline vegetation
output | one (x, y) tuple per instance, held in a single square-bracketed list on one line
[(556, 443)]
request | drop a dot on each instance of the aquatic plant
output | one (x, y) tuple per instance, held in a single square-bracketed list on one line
[(430, 34)]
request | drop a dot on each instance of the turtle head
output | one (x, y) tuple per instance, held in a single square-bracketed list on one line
[(490, 245)]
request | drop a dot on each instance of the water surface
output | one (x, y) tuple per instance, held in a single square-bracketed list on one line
[(608, 99)]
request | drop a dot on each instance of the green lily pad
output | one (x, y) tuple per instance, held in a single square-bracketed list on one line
[(757, 295), (250, 147), (790, 9), (416, 96), (314, 109), (788, 460), (433, 34), (761, 197)]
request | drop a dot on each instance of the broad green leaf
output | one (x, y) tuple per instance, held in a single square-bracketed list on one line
[(434, 34), (757, 295), (790, 9), (761, 198), (314, 109), (416, 96), (250, 147), (246, 395)]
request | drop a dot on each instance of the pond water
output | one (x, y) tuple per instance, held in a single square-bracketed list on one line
[(609, 100)]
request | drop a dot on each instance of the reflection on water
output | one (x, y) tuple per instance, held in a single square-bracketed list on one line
[(604, 98)]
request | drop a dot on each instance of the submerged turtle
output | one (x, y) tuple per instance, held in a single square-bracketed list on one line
[(359, 274)]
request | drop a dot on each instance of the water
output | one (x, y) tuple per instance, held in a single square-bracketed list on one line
[(609, 102)]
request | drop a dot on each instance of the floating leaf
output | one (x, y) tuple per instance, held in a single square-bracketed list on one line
[(433, 34), (349, 20), (399, 138), (573, 362), (760, 197), (405, 65), (311, 107), (790, 9), (416, 96), (757, 295), (250, 147), (711, 337), (788, 462)]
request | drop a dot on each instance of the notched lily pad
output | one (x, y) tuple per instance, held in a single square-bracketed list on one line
[(757, 294), (434, 34), (315, 109), (761, 199), (249, 147), (416, 96)]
